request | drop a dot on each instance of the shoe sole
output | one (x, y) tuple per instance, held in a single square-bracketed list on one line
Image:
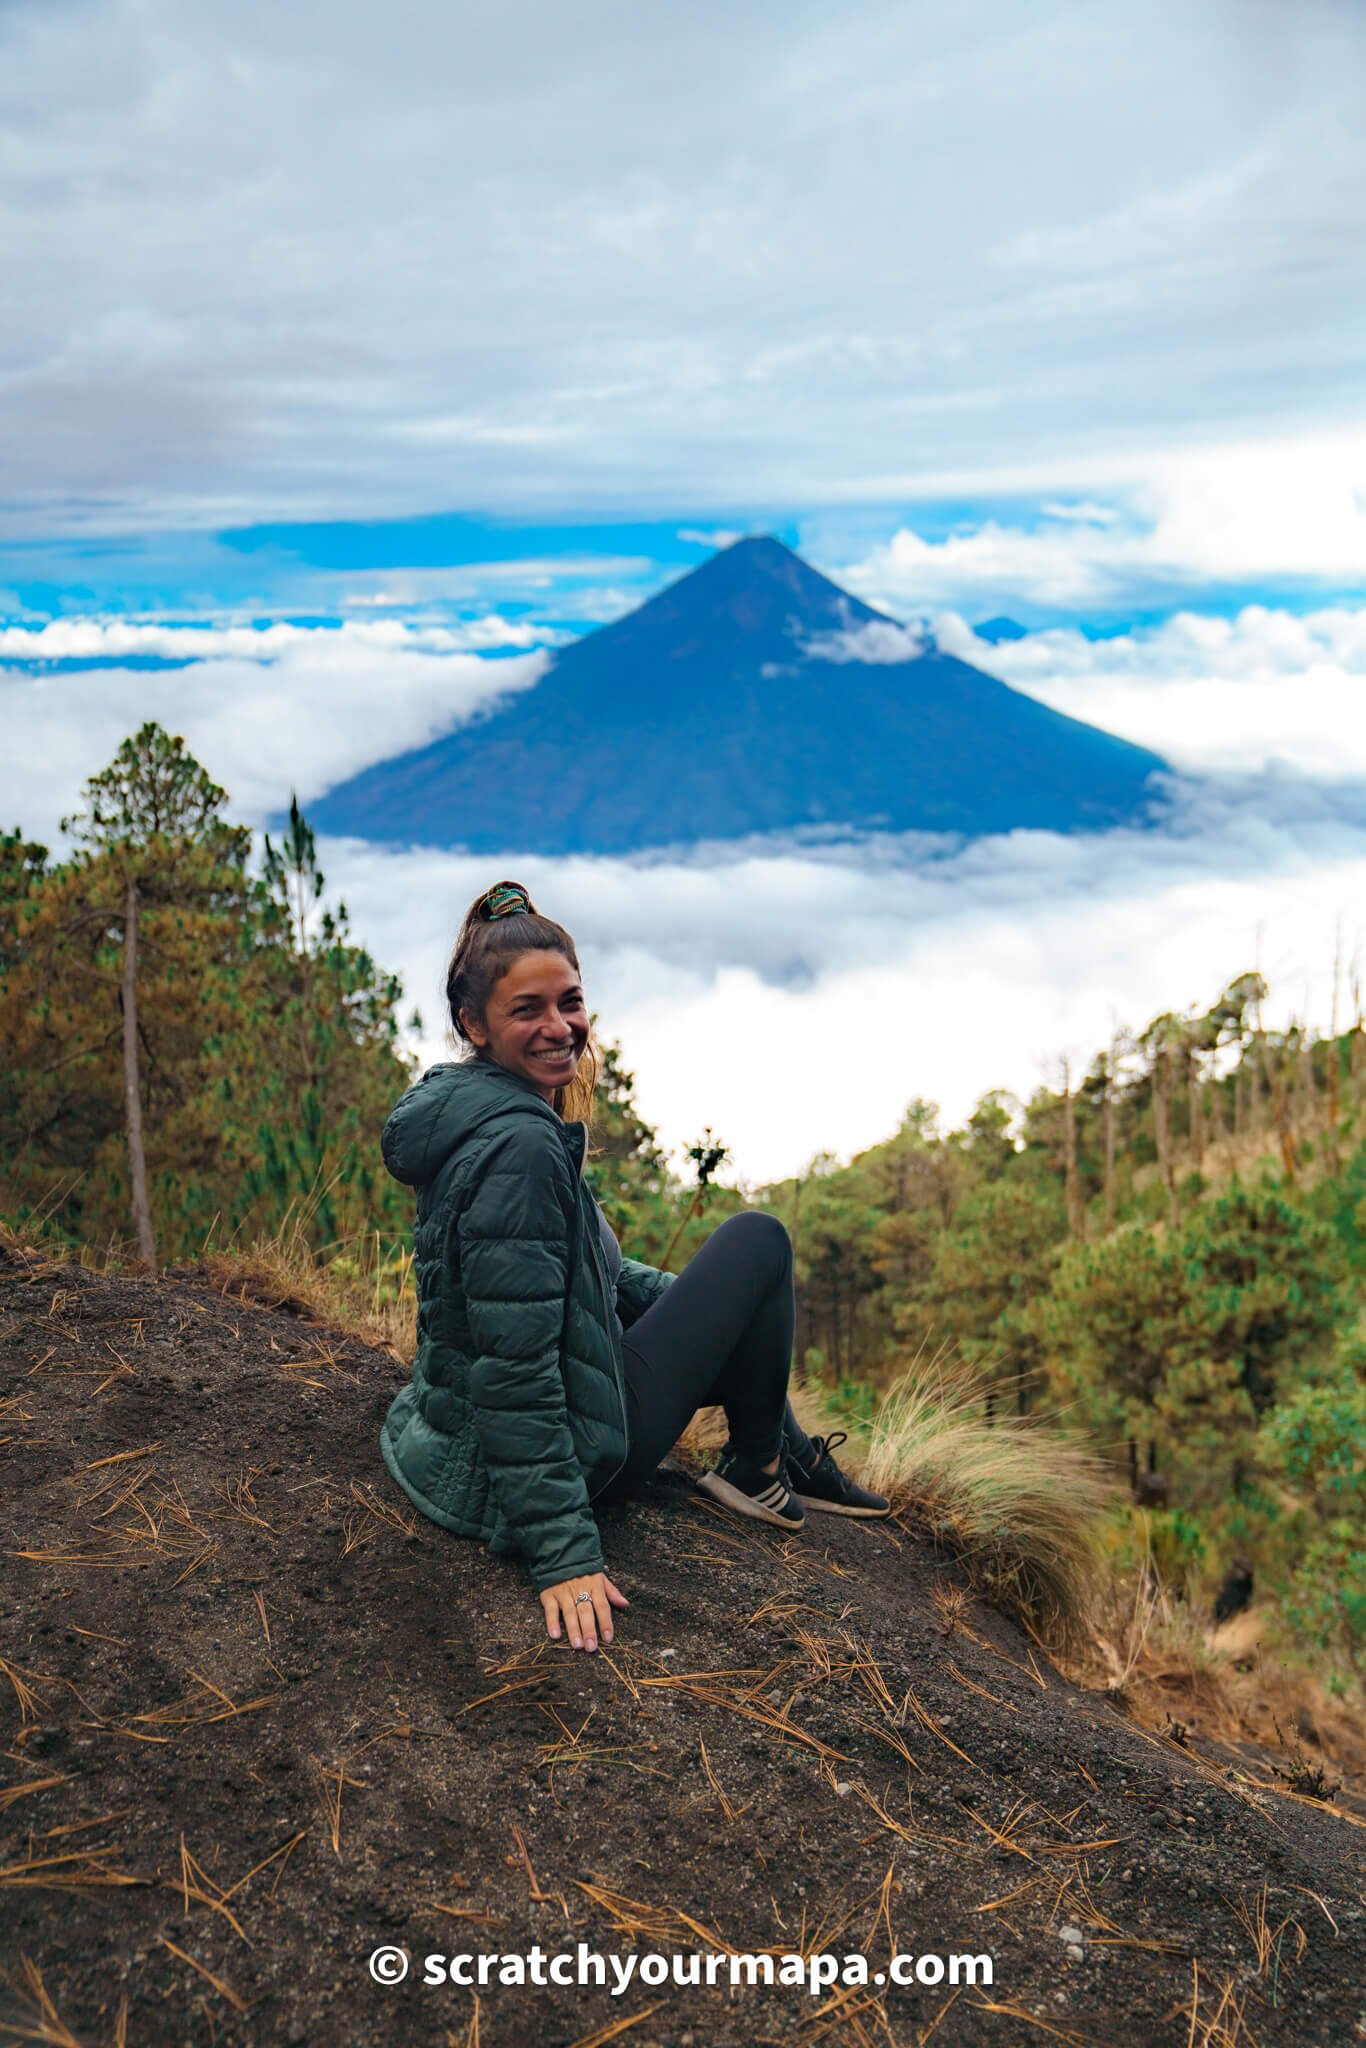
[(831, 1507), (743, 1503)]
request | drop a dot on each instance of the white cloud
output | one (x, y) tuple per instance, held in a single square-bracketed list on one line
[(266, 710), (1281, 508), (572, 578), (796, 1001), (712, 537), (1084, 513), (84, 639), (875, 641), (858, 251), (1210, 694)]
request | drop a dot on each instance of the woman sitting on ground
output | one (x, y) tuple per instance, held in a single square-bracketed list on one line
[(551, 1372)]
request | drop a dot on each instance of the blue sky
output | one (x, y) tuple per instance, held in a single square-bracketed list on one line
[(361, 355)]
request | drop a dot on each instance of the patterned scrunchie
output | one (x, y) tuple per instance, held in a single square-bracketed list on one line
[(507, 899)]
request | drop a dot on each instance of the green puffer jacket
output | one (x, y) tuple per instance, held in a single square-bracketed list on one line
[(515, 1417)]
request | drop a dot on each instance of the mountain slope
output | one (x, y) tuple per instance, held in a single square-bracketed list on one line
[(728, 705), (226, 1637)]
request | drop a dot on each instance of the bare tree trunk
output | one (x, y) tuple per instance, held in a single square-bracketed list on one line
[(1261, 1080), (1334, 1077), (1110, 1145), (1162, 1130), (1285, 1129), (852, 1351), (1197, 1116), (1215, 1105), (1271, 1069), (132, 1086), (1309, 1091), (1076, 1218)]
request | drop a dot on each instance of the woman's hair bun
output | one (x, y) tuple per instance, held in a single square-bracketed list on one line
[(505, 899)]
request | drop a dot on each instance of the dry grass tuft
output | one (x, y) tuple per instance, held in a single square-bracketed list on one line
[(1159, 1662), (358, 1286), (1019, 1504)]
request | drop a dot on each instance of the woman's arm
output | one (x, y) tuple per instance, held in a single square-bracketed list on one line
[(639, 1287), (514, 1246)]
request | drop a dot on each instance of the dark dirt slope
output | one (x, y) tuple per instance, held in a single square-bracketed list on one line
[(229, 1642)]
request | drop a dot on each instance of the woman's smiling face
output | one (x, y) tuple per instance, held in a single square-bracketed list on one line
[(536, 1025)]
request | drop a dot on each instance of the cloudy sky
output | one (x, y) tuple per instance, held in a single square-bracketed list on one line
[(353, 358)]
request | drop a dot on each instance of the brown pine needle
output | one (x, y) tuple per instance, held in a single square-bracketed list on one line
[(193, 1880), (30, 1700), (9, 1793), (1319, 1903), (265, 1622), (400, 1731), (217, 1982), (187, 1712), (541, 1898), (1031, 1884), (996, 1701), (117, 1641), (928, 1721), (211, 1687), (119, 1457), (893, 1738), (385, 1511), (77, 1827), (906, 1829), (471, 2039), (283, 1850), (211, 1550), (610, 2032), (86, 1877), (730, 1810), (518, 1685), (622, 1677), (83, 1559), (51, 2029), (934, 2023), (332, 1802), (883, 1916), (1003, 1835)]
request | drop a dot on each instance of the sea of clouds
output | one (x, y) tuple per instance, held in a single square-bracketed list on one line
[(796, 996)]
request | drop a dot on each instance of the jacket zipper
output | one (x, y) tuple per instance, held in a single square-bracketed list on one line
[(586, 1201)]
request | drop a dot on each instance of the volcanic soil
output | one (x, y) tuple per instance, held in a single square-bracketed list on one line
[(259, 1720)]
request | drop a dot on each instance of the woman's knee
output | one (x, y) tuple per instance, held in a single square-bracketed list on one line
[(765, 1237)]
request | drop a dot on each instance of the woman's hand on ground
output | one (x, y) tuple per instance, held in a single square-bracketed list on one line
[(583, 1621)]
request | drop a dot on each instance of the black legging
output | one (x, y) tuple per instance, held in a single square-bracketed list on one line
[(721, 1336)]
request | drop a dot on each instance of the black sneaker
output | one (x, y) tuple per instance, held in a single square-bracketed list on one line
[(744, 1487), (825, 1487)]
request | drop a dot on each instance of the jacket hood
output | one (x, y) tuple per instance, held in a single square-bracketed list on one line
[(440, 1112)]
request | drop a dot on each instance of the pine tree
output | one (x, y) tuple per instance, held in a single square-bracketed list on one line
[(157, 813)]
